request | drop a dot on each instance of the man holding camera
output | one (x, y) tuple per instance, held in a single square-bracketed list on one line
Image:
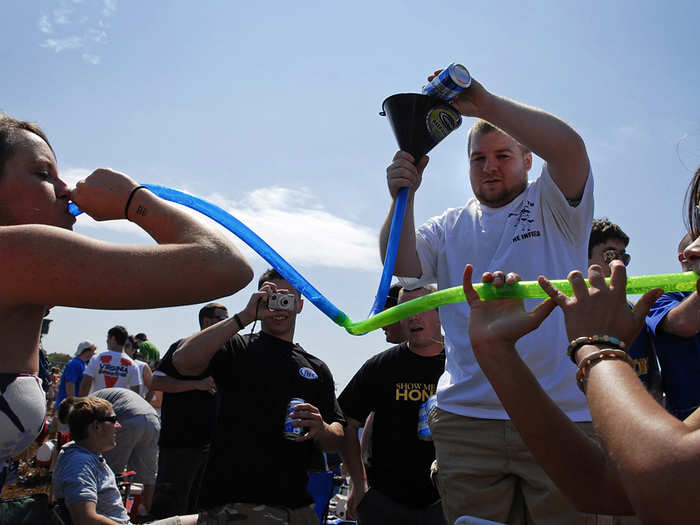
[(255, 473)]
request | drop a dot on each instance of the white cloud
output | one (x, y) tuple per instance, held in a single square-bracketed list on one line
[(92, 59), (291, 221), (44, 24), (108, 7), (62, 15), (61, 44), (97, 35), (77, 25), (303, 231)]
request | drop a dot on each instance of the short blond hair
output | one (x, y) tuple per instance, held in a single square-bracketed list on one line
[(79, 412), (481, 127)]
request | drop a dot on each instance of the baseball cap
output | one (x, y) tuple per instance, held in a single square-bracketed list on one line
[(85, 345), (392, 298)]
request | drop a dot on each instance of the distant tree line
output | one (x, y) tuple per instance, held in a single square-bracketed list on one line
[(58, 360)]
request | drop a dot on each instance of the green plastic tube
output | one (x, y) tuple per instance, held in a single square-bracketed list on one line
[(669, 282)]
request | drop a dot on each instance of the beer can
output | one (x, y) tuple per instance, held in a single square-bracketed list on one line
[(451, 80), (423, 413), (290, 431)]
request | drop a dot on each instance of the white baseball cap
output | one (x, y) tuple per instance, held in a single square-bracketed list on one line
[(85, 345)]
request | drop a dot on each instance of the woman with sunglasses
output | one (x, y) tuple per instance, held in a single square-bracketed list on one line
[(44, 263), (82, 481), (647, 461)]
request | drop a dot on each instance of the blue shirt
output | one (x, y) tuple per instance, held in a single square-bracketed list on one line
[(81, 475), (73, 372), (646, 363), (679, 358)]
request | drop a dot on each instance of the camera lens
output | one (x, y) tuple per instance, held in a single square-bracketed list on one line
[(284, 302)]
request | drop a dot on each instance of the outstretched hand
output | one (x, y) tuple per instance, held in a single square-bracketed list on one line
[(500, 320), (601, 309)]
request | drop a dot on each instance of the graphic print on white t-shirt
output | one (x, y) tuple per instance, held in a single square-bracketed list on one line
[(112, 369)]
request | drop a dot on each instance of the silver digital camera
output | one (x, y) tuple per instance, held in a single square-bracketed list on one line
[(283, 301)]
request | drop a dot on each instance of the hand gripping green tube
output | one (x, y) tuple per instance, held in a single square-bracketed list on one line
[(669, 282)]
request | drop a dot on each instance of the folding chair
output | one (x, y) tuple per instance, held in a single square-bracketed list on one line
[(131, 493), (320, 486)]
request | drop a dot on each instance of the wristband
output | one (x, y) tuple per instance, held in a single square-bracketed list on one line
[(596, 357), (606, 340), (241, 326), (128, 201)]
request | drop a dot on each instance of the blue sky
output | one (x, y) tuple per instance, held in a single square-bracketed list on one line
[(270, 110)]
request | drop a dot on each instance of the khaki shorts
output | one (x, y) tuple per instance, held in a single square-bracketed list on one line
[(487, 471)]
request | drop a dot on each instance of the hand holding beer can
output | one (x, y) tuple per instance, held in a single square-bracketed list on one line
[(290, 431), (449, 82)]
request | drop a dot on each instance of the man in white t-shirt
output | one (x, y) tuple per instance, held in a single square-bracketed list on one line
[(111, 368), (534, 228)]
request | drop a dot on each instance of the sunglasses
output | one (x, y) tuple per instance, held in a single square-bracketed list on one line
[(110, 419), (612, 254)]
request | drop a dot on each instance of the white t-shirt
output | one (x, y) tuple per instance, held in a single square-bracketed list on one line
[(143, 389), (110, 369), (539, 233)]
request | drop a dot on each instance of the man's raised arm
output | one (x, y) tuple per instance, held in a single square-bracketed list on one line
[(171, 385), (546, 135), (194, 353), (403, 173)]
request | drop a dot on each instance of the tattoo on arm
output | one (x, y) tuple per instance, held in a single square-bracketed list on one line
[(141, 210)]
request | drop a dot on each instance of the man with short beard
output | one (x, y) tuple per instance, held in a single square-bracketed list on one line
[(533, 228)]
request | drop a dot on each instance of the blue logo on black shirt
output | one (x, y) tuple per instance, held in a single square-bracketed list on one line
[(308, 373)]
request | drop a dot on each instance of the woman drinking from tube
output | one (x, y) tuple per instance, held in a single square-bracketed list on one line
[(43, 263)]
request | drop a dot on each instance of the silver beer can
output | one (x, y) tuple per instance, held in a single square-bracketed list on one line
[(451, 80), (290, 431), (423, 413)]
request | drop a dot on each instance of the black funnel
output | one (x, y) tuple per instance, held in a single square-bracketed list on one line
[(419, 122)]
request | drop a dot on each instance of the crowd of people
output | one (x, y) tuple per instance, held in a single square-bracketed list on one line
[(539, 412)]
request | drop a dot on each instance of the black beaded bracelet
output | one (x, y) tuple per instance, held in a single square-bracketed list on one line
[(128, 201), (607, 340), (241, 326)]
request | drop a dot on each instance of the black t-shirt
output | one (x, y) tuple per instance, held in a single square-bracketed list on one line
[(187, 418), (250, 459), (394, 384)]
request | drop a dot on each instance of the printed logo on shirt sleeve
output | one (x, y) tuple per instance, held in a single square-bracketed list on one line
[(308, 373)]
